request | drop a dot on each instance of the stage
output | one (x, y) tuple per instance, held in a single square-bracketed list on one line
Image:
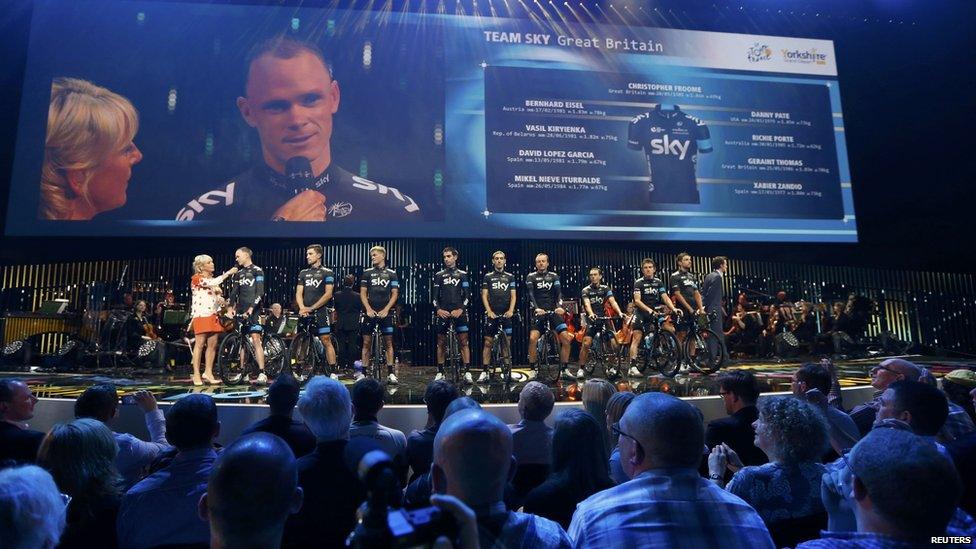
[(173, 385)]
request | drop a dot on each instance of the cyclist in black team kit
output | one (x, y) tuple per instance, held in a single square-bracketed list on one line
[(451, 291), (313, 293), (498, 297), (545, 299), (650, 295), (247, 289), (684, 288), (595, 297), (290, 98), (378, 291)]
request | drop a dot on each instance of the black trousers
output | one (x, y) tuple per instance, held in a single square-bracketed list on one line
[(347, 345), (716, 326)]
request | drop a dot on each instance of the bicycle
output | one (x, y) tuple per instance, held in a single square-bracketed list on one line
[(547, 352), (703, 349), (235, 368), (306, 352), (660, 349), (501, 349), (602, 349), (452, 350), (377, 350)]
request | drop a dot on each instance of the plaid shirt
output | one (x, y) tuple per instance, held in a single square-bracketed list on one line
[(957, 424), (667, 508), (501, 529)]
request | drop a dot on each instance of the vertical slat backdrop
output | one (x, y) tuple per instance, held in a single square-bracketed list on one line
[(936, 309)]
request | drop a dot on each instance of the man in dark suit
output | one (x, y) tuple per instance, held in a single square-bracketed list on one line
[(739, 391), (348, 307), (282, 397), (332, 491), (713, 297), (17, 441)]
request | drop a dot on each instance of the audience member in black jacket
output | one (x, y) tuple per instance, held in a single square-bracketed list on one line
[(332, 491), (17, 443), (739, 391), (579, 468), (282, 397)]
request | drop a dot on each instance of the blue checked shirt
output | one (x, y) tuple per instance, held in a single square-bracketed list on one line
[(667, 508), (501, 529)]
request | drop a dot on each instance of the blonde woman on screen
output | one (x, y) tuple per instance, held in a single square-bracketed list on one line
[(88, 152)]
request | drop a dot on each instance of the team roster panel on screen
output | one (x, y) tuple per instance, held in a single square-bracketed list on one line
[(370, 124)]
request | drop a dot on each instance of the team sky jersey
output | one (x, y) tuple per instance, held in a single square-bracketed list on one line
[(543, 290), (597, 295), (257, 193), (451, 289), (650, 290), (499, 285), (686, 284), (247, 288), (379, 284), (671, 140), (315, 281)]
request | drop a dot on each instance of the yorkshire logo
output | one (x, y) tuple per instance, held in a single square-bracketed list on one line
[(656, 129), (804, 56), (211, 198), (759, 52), (340, 209)]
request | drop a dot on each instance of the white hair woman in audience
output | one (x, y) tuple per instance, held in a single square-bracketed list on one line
[(88, 151), (32, 509), (81, 457), (793, 433)]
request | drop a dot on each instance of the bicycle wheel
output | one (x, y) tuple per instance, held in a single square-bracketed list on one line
[(303, 357), (664, 353), (703, 348), (597, 356), (548, 363), (499, 356), (229, 364), (378, 358), (275, 354)]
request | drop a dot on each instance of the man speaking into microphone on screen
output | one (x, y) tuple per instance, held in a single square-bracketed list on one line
[(290, 97)]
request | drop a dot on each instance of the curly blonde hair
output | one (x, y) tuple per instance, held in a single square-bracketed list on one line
[(85, 123)]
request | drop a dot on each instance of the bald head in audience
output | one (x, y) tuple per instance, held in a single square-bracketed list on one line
[(660, 431), (472, 457), (252, 489)]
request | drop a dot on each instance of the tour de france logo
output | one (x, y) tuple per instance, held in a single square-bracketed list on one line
[(759, 52)]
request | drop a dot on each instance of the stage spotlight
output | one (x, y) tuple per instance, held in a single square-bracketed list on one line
[(17, 354), (69, 356)]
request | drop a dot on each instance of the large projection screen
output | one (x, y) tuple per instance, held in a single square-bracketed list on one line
[(421, 125)]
